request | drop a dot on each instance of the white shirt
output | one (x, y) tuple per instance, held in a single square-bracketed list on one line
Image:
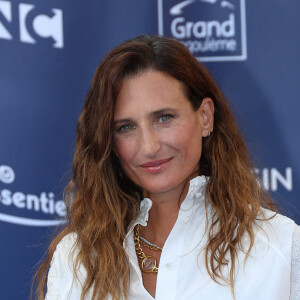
[(271, 272)]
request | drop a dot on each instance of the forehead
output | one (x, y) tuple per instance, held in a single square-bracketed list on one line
[(149, 91)]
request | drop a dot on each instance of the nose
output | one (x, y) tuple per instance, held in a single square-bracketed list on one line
[(149, 142)]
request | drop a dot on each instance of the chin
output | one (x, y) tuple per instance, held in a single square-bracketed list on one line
[(157, 186)]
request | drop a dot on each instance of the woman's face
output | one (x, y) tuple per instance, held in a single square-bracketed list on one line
[(157, 134)]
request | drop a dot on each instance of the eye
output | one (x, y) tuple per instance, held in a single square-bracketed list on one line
[(165, 118), (126, 128)]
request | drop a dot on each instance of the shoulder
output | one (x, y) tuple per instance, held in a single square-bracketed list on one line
[(275, 231), (65, 255), (277, 218), (63, 280), (276, 222), (67, 245)]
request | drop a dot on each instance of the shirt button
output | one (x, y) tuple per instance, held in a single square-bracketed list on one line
[(198, 195), (169, 266)]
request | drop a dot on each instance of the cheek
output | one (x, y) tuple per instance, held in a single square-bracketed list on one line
[(125, 150), (187, 141)]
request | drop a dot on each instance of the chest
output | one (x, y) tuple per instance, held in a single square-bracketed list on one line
[(182, 273)]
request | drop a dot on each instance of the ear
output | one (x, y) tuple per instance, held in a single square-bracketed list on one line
[(206, 112)]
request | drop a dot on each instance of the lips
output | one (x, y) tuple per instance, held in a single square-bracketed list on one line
[(155, 163), (157, 166)]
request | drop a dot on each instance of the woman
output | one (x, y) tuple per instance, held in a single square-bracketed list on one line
[(165, 203)]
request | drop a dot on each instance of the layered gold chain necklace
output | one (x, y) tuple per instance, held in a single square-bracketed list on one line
[(148, 262)]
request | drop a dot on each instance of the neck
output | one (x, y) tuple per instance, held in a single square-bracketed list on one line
[(163, 214)]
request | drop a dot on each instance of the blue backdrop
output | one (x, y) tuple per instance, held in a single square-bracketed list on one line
[(49, 52)]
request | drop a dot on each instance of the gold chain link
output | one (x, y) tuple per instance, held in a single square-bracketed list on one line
[(140, 253)]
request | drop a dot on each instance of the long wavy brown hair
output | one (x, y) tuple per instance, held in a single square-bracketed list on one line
[(102, 201)]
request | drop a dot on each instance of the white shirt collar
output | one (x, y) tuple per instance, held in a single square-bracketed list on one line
[(196, 194)]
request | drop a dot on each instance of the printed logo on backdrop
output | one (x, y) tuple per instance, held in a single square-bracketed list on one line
[(213, 30), (271, 178), (31, 24), (28, 209)]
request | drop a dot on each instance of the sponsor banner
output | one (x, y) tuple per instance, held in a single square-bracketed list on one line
[(28, 209), (213, 30)]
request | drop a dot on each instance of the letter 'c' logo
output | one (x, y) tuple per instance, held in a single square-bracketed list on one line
[(35, 25)]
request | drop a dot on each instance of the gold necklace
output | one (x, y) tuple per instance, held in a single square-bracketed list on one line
[(149, 262), (149, 245)]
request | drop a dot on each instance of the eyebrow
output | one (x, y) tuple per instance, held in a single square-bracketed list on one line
[(151, 114)]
